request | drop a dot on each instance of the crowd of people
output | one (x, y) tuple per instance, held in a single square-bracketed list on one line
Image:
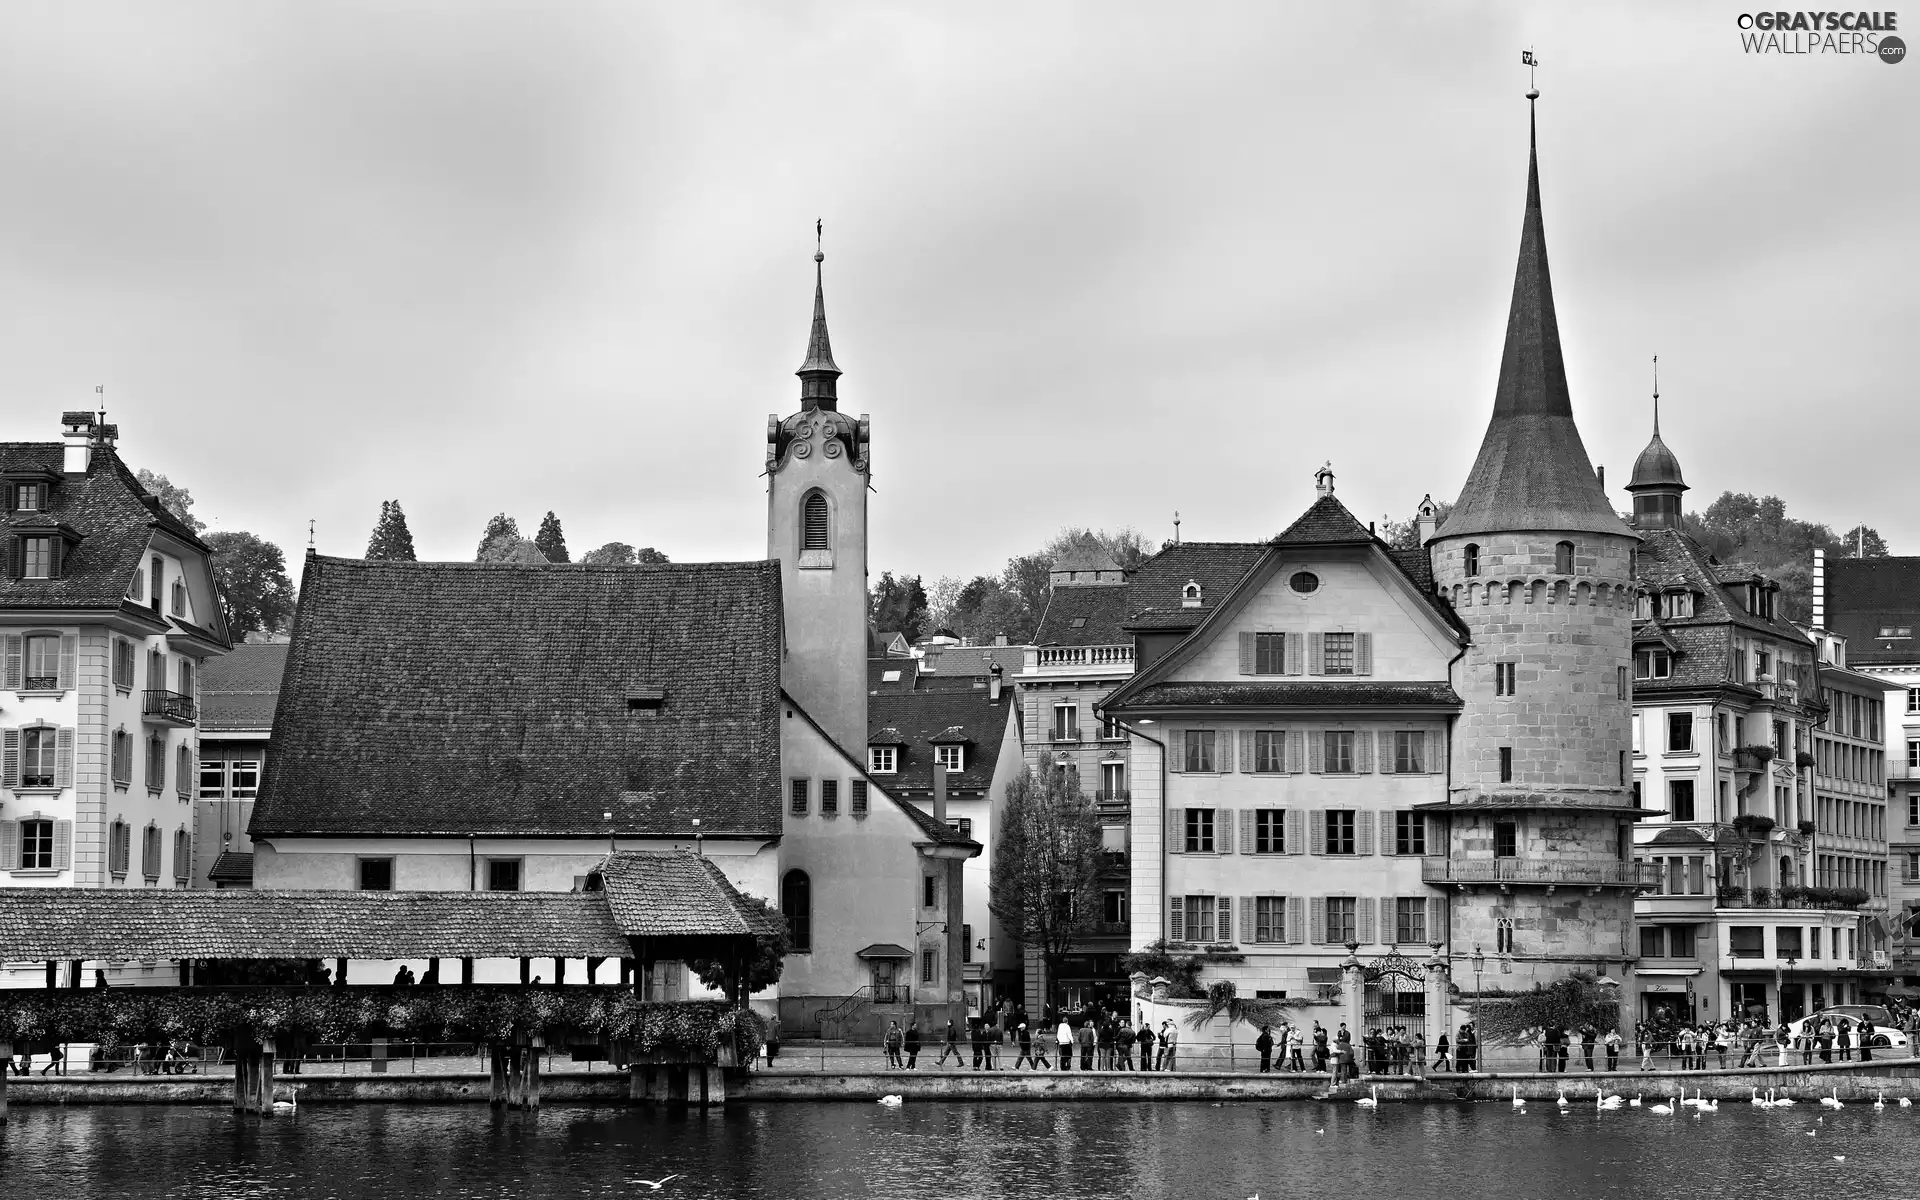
[(1098, 1039)]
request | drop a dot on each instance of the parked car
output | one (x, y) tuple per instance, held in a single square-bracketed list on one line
[(1886, 1035)]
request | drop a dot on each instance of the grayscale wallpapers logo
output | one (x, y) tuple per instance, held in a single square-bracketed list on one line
[(1857, 33)]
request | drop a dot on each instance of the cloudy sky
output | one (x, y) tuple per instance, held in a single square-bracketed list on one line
[(1087, 264)]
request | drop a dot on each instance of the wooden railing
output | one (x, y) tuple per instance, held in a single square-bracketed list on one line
[(1539, 872)]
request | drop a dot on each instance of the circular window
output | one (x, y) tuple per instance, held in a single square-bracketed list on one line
[(1304, 582)]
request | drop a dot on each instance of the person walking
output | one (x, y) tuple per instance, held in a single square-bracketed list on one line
[(1320, 1048), (1063, 1036), (913, 1046), (1122, 1045), (1441, 1055), (892, 1043), (1023, 1037), (1040, 1061), (1612, 1042), (951, 1045), (1296, 1046), (1264, 1045)]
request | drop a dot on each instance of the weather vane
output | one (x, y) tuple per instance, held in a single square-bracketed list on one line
[(1526, 57), (1656, 393)]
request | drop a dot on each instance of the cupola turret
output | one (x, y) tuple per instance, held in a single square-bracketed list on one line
[(1656, 483)]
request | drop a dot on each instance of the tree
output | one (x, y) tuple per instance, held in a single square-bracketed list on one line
[(176, 500), (392, 541), (991, 611), (898, 605), (1046, 868), (943, 602), (619, 554), (510, 548), (1755, 532), (1028, 578), (1224, 1000), (1579, 999), (550, 541), (1863, 541), (1405, 535), (499, 525), (769, 958), (255, 592)]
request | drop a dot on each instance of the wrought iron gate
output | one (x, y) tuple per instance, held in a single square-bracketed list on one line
[(1397, 996)]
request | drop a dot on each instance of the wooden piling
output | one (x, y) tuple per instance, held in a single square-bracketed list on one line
[(713, 1086), (530, 1097), (497, 1074), (6, 1069), (677, 1084)]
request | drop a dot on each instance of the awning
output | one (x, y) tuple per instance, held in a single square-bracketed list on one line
[(884, 950), (1669, 972)]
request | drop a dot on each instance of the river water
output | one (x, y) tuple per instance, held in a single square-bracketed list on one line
[(927, 1151)]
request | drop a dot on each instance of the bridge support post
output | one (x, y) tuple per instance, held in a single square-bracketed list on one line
[(496, 1074), (6, 1068), (713, 1086), (677, 1084)]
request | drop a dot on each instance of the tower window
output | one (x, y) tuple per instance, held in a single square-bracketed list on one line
[(1506, 764), (1563, 558), (796, 905), (814, 523), (1470, 559)]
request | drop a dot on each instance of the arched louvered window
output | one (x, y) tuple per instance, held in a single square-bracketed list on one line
[(814, 523), (1563, 558), (796, 904)]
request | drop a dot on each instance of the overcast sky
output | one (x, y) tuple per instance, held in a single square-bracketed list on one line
[(1086, 264)]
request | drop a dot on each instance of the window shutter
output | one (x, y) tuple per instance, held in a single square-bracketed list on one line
[(1295, 825), (1246, 654), (1223, 741), (62, 845), (185, 771), (1363, 752), (1249, 921), (63, 758), (1435, 759), (1247, 760), (1318, 918), (9, 845), (1363, 920), (1223, 830), (1296, 752), (122, 847), (56, 547), (1387, 832), (1363, 832), (182, 856), (1176, 918), (1224, 930), (1387, 763), (1363, 654), (16, 662), (1247, 842), (11, 755), (1389, 921), (1317, 831), (66, 662), (1296, 919), (1315, 658), (1316, 750), (1436, 918), (149, 853), (1176, 830), (1292, 649), (1177, 751)]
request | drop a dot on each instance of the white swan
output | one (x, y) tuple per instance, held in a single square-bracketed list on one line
[(1372, 1101), (1517, 1101), (1757, 1102), (1785, 1101), (1663, 1109), (1881, 1102), (1905, 1102), (1706, 1106), (1562, 1101), (1832, 1101), (1635, 1102), (892, 1101), (288, 1106)]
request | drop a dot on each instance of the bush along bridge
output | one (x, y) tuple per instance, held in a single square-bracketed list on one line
[(638, 909)]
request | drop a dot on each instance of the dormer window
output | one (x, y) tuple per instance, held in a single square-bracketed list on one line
[(1190, 595), (1642, 607), (37, 557), (29, 497), (1563, 558), (950, 757), (1652, 663), (179, 593), (881, 760), (1676, 604), (1470, 559)]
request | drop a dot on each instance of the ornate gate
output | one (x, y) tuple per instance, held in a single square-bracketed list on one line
[(1397, 996)]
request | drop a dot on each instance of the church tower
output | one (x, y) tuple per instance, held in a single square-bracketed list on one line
[(817, 472), (1540, 568)]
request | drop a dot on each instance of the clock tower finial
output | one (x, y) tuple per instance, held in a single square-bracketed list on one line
[(819, 376)]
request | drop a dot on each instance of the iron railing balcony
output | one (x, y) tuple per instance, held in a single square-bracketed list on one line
[(1113, 797), (167, 708), (1538, 872)]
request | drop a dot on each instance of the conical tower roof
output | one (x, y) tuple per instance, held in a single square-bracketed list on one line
[(818, 375), (1532, 471)]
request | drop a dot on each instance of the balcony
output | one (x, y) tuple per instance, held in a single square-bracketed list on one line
[(1506, 873), (1057, 658), (1064, 735), (167, 708), (1113, 798)]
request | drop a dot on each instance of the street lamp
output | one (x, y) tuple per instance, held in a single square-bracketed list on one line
[(1479, 961)]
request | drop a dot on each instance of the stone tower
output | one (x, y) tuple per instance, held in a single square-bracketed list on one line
[(1538, 565), (817, 472)]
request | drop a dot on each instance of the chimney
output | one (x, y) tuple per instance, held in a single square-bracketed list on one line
[(1819, 589), (993, 684), (1000, 639), (79, 437), (1600, 473), (1323, 480), (1429, 516), (940, 793)]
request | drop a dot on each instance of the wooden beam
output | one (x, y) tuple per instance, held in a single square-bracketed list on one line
[(340, 971), (466, 971), (559, 971), (53, 974), (526, 971), (496, 1074), (73, 979)]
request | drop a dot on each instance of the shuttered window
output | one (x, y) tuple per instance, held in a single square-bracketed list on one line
[(814, 523), (119, 844), (1342, 920), (1409, 833), (1337, 756), (1269, 830), (1198, 836), (37, 757), (1409, 920), (1339, 830), (1269, 751), (156, 763), (150, 853), (1200, 750), (123, 663), (182, 856), (183, 771), (1269, 919), (1409, 752)]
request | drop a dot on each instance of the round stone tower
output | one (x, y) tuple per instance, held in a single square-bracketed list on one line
[(1540, 568)]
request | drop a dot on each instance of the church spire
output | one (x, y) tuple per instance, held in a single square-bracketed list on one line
[(818, 375), (1532, 471)]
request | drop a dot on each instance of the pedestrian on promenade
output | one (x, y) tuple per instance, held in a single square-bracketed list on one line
[(1441, 1054), (1089, 1041), (1826, 1040), (1612, 1042), (1589, 1037), (1169, 1044), (1040, 1061), (1023, 1037), (1845, 1041), (1063, 1037), (1866, 1039), (1122, 1044), (55, 1057), (1466, 1049), (892, 1043), (1319, 1046), (1264, 1044), (913, 1046), (1296, 1046), (1104, 1038), (1343, 1046), (1146, 1041), (951, 1045)]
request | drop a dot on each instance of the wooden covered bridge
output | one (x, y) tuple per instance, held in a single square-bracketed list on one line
[(638, 909)]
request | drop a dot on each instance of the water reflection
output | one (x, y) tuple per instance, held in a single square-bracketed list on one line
[(1078, 1151)]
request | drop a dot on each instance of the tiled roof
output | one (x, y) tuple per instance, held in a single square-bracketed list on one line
[(1153, 594), (239, 689), (923, 718), (1085, 558), (889, 788), (963, 666), (114, 516), (1326, 522), (1671, 560), (232, 867), (905, 672), (1084, 615), (456, 698), (113, 923), (1315, 695), (1866, 595), (676, 895)]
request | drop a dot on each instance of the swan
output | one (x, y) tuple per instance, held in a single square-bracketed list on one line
[(1881, 1102), (1706, 1106), (892, 1101), (1905, 1102), (1832, 1101), (1785, 1101), (288, 1106), (1635, 1102), (1757, 1102), (1517, 1101), (1663, 1109), (1372, 1101), (1562, 1101)]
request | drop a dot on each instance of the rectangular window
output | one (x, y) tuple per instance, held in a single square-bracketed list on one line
[(376, 875), (798, 794), (213, 779), (28, 497), (123, 663), (1410, 920), (929, 892), (1336, 653), (37, 557), (1506, 839), (43, 664), (966, 943), (1337, 751), (1652, 664), (929, 966), (156, 763), (1200, 750), (1680, 799), (1066, 722), (1340, 823), (1503, 678), (1813, 942), (949, 757), (1913, 754), (961, 825), (1747, 941), (1199, 914), (1653, 941), (1620, 683), (1269, 654), (1506, 764), (1913, 868), (1269, 752), (1409, 752), (1786, 939), (1113, 906), (1679, 732), (1342, 925), (1199, 833), (243, 778), (1270, 919), (829, 797), (37, 757), (1409, 833), (859, 798), (1913, 700), (1269, 831), (159, 575), (503, 874), (880, 759), (1680, 941)]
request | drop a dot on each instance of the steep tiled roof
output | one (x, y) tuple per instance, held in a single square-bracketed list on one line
[(41, 923), (1153, 594), (1087, 615), (455, 698), (113, 514), (1866, 595), (905, 672), (1669, 559), (964, 666), (923, 717), (676, 895), (1085, 558), (239, 689), (1326, 522), (1316, 695), (889, 788), (232, 867)]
